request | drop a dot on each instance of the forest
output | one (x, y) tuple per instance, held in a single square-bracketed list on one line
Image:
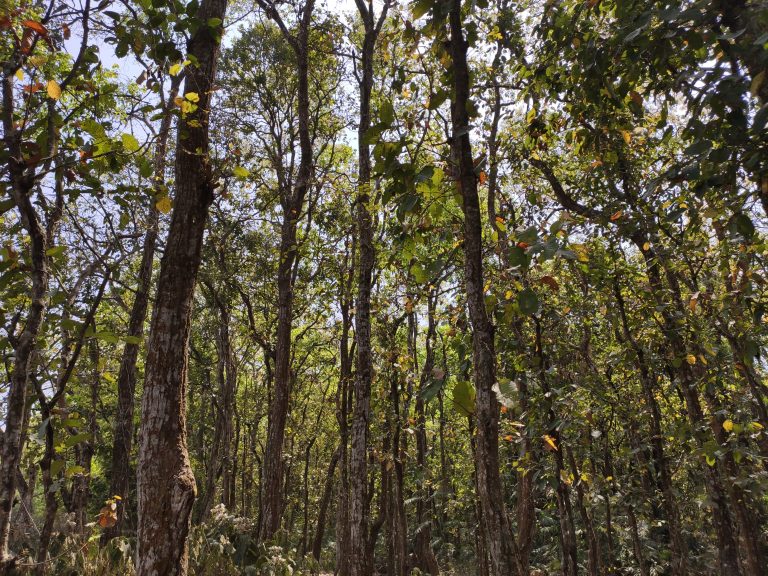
[(384, 287)]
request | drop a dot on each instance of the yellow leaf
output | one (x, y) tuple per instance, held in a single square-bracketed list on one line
[(646, 246), (192, 96), (37, 60), (164, 205), (627, 136), (550, 441), (757, 426), (691, 359), (178, 100), (728, 425), (54, 90), (175, 69), (20, 75)]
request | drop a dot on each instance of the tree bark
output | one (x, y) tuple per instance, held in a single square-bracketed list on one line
[(219, 457), (120, 476), (502, 547), (293, 204), (361, 562), (166, 484)]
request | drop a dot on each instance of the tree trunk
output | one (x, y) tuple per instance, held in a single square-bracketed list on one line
[(361, 563), (317, 542), (425, 557), (120, 476), (81, 484), (498, 532), (166, 484), (16, 400), (292, 204), (661, 464), (219, 459)]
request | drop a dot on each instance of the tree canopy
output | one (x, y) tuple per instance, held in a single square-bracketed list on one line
[(420, 287)]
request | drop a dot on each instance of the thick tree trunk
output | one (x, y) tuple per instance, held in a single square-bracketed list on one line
[(166, 484), (498, 532)]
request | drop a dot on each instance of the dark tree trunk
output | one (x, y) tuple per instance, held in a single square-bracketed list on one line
[(325, 500), (661, 464), (166, 484), (22, 182), (81, 484), (343, 409), (361, 560), (292, 204), (593, 547), (496, 527)]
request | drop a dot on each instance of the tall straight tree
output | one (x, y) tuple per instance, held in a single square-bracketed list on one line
[(292, 203), (361, 564), (166, 484), (126, 379), (502, 547)]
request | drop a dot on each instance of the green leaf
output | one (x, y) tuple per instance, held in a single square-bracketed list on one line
[(387, 113), (463, 396), (240, 172), (55, 251), (130, 143), (741, 225), (421, 7), (56, 467), (528, 302)]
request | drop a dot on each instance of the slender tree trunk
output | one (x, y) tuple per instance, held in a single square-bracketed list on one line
[(501, 542), (325, 500), (166, 484), (425, 557), (593, 547), (292, 204), (81, 484), (672, 515), (218, 458), (721, 517), (637, 545), (120, 476), (361, 562), (16, 399)]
